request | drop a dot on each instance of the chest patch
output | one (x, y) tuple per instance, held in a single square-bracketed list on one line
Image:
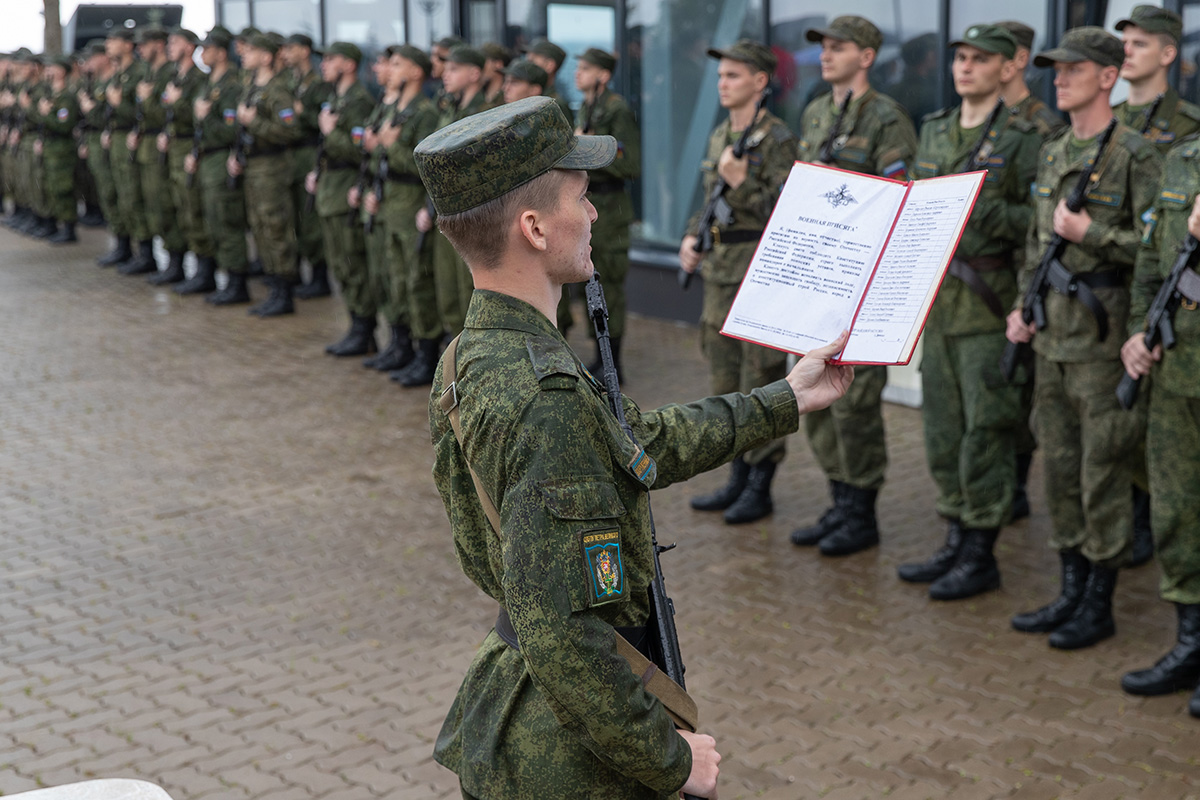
[(603, 567)]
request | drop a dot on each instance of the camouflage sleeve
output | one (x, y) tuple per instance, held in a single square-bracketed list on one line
[(897, 145), (219, 130), (154, 111), (770, 163), (624, 128), (63, 115), (1120, 243), (1147, 278), (685, 440), (343, 142), (1006, 214), (400, 154), (276, 120), (563, 484), (311, 102)]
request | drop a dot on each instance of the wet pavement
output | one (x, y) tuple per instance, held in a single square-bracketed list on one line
[(224, 569)]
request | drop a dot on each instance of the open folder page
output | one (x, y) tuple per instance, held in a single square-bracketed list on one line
[(849, 251)]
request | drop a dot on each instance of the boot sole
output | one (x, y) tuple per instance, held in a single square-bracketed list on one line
[(991, 586), (1079, 644)]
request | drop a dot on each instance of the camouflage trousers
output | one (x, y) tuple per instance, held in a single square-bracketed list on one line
[(106, 190), (393, 308), (971, 416), (127, 177), (737, 366), (848, 438), (1091, 449), (346, 252), (1172, 445), (420, 289), (309, 242), (59, 179), (224, 213), (188, 205), (158, 196), (267, 181)]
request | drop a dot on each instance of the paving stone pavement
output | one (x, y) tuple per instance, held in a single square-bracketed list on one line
[(224, 569)]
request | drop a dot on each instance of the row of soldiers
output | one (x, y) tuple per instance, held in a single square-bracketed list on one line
[(208, 144), (1112, 250)]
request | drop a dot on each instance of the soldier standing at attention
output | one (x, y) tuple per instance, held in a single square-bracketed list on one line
[(753, 185), (549, 708), (1151, 36), (971, 413), (876, 138), (310, 93), (437, 60), (97, 71), (224, 206), (522, 79), (343, 125), (175, 143), (550, 57), (1173, 429), (496, 58), (605, 113), (58, 114), (1089, 444), (268, 117), (121, 94)]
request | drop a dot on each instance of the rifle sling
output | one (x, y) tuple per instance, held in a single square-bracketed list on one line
[(676, 701), (968, 273), (1080, 286), (734, 237), (1189, 287)]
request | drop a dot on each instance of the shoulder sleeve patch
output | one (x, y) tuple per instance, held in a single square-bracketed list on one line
[(550, 360)]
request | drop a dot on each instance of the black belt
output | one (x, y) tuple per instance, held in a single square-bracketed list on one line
[(265, 151), (735, 237), (606, 187), (968, 271), (1080, 285), (151, 132), (504, 629), (333, 166), (121, 130)]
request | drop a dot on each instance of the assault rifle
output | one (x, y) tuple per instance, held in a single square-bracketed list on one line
[(139, 123), (716, 208), (1160, 328), (168, 128), (197, 137), (1050, 270), (311, 200), (432, 216), (988, 125), (825, 156), (664, 640), (1150, 112), (364, 171), (383, 171)]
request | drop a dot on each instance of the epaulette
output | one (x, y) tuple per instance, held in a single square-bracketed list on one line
[(1189, 110), (553, 365), (1187, 147), (886, 109), (1023, 125), (932, 115), (781, 132), (1137, 145)]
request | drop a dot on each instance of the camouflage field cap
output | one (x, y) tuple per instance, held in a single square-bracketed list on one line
[(448, 43), (1020, 31), (247, 32), (66, 62), (465, 54), (219, 36), (989, 39), (547, 49), (188, 36), (1088, 43), (302, 39), (262, 41), (151, 34), (346, 50), (598, 58), (494, 51), (416, 55), (525, 70), (849, 28), (487, 155), (757, 55), (124, 34), (93, 48), (1153, 19)]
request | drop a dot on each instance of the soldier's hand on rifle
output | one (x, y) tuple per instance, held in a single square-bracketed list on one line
[(817, 383), (310, 182), (733, 170), (114, 95), (371, 203), (105, 140), (370, 140), (327, 121), (38, 147), (144, 90), (131, 140), (86, 103), (1194, 218), (1017, 330), (1071, 225), (354, 196), (14, 138), (247, 114), (189, 164), (162, 142), (702, 782), (201, 108), (232, 167), (389, 134), (82, 152), (689, 259), (44, 106), (172, 94), (1136, 358), (424, 221)]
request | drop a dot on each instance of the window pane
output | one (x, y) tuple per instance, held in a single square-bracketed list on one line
[(429, 19), (482, 22), (371, 24), (235, 14), (575, 29), (1189, 55), (288, 17)]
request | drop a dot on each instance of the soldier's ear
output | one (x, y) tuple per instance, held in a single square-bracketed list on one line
[(1008, 70)]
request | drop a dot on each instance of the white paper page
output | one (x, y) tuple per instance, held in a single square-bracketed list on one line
[(815, 257), (911, 270)]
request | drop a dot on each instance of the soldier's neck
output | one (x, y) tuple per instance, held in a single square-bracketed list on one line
[(975, 110), (468, 94), (345, 82), (742, 117), (185, 65), (1144, 92), (409, 92), (494, 84), (1014, 92), (218, 70), (124, 63), (1087, 122), (263, 75), (859, 84)]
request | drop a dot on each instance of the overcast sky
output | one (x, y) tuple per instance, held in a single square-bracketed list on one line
[(23, 26)]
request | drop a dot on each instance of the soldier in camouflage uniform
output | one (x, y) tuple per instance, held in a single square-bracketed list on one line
[(1152, 36), (1089, 444), (876, 138), (970, 412), (550, 57), (342, 125), (549, 708), (1173, 429), (496, 58), (753, 185), (605, 113), (310, 93), (57, 115), (523, 79), (21, 142), (121, 94), (94, 106)]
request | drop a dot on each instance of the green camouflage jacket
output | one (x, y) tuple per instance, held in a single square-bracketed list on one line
[(403, 198), (60, 123), (275, 125), (771, 152), (876, 138), (1174, 119), (310, 92), (998, 223), (613, 117), (343, 149), (1045, 120), (220, 125), (1181, 183), (1120, 202), (183, 118), (125, 113), (565, 716), (154, 113)]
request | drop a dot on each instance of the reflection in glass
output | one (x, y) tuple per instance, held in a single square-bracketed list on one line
[(289, 16), (575, 29)]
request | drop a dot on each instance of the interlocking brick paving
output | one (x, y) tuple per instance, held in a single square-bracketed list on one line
[(224, 569)]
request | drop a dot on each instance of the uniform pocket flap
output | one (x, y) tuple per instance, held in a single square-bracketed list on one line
[(584, 499)]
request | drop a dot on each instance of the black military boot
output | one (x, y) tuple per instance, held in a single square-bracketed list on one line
[(318, 286), (204, 281), (279, 302), (19, 218), (420, 371), (45, 228), (255, 268), (65, 235), (939, 563), (92, 218), (859, 530), (1178, 669), (1020, 501), (172, 274), (830, 521), (1075, 571), (28, 222), (1092, 621), (754, 502), (235, 292), (358, 341), (724, 497), (120, 253), (974, 571), (398, 354), (1143, 537), (143, 262)]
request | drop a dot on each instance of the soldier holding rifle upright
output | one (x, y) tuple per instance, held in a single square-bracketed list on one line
[(1089, 443), (1151, 36), (548, 496), (752, 185)]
